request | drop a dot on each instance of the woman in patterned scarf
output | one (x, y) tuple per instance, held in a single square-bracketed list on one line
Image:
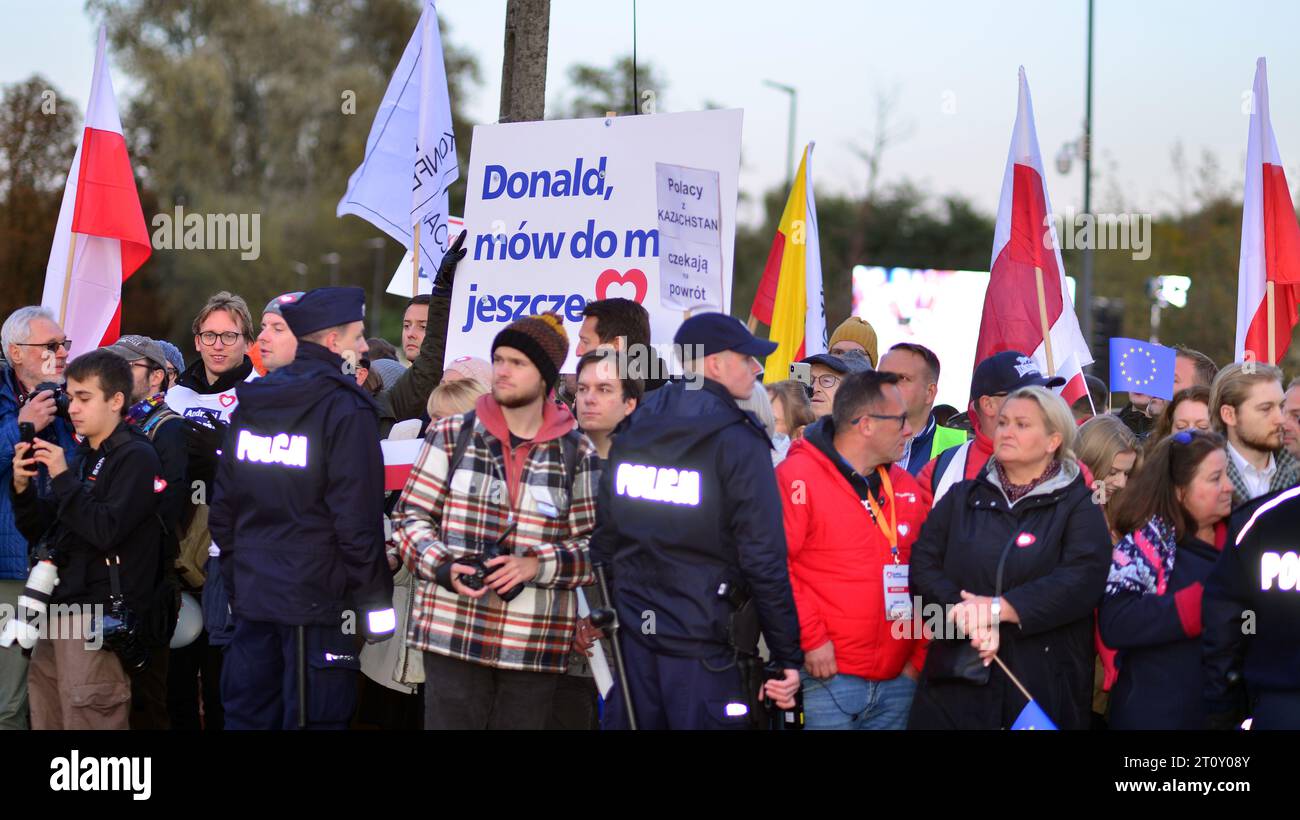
[(1174, 511)]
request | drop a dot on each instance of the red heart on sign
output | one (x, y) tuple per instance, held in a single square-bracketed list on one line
[(634, 277), (226, 399)]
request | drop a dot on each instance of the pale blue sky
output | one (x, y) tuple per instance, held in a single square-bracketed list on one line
[(1166, 70)]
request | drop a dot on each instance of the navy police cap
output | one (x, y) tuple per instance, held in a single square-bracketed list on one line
[(321, 308)]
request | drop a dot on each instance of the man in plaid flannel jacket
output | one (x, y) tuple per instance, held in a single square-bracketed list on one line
[(492, 663)]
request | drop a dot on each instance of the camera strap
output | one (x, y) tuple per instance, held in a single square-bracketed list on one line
[(114, 577)]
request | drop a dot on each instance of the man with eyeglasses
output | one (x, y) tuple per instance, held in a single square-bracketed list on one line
[(35, 351), (205, 391), (828, 371), (206, 395), (851, 515), (994, 378)]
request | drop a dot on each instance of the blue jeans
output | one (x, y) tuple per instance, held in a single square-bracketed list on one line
[(851, 702)]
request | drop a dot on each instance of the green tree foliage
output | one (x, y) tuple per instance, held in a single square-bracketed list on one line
[(593, 90), (37, 142), (259, 108)]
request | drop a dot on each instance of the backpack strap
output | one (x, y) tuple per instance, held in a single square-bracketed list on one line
[(151, 425), (572, 454), (569, 443), (940, 480)]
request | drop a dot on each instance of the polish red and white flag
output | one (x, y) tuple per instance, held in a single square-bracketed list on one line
[(101, 237), (1025, 238), (1075, 386), (1270, 240)]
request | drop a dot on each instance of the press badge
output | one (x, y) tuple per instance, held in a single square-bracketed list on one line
[(544, 502), (898, 604)]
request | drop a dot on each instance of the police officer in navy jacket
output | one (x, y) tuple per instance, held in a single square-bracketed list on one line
[(298, 512), (1249, 612), (689, 528)]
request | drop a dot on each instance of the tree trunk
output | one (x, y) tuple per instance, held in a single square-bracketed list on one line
[(523, 70)]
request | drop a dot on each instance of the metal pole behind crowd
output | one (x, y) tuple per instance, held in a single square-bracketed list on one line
[(1085, 282), (789, 151)]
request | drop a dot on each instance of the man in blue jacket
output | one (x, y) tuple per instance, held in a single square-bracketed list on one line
[(689, 526), (298, 512), (35, 352)]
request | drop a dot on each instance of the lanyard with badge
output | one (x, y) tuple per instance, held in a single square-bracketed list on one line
[(898, 605)]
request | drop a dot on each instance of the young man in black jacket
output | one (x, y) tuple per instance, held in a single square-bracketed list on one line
[(149, 413), (102, 532)]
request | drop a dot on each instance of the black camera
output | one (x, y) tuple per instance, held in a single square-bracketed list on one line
[(122, 636), (479, 561), (61, 399), (782, 719)]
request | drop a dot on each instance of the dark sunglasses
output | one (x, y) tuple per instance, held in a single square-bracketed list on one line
[(53, 346)]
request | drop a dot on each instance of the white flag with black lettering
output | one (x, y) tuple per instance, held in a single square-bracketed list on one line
[(410, 160)]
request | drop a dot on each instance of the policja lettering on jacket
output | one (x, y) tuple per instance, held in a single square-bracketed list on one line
[(291, 451), (666, 484), (698, 540)]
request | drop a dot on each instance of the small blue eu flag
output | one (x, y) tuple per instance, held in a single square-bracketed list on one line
[(1032, 717), (1141, 367)]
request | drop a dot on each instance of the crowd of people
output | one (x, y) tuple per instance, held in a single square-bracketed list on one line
[(708, 551)]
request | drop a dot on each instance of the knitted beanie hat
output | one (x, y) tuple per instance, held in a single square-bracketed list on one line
[(857, 330), (542, 339)]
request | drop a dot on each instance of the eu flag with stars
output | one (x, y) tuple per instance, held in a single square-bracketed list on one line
[(1141, 367), (1033, 717)]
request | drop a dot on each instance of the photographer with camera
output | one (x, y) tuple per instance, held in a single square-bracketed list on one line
[(35, 351), (102, 533), (494, 523), (149, 413), (298, 510)]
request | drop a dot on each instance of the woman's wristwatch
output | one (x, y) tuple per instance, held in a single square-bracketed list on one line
[(995, 609)]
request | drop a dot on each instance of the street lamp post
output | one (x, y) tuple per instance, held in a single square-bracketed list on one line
[(377, 287), (794, 98), (332, 260), (1082, 149), (1085, 283)]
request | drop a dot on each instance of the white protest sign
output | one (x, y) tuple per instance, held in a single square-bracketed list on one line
[(400, 284), (563, 212), (690, 238)]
